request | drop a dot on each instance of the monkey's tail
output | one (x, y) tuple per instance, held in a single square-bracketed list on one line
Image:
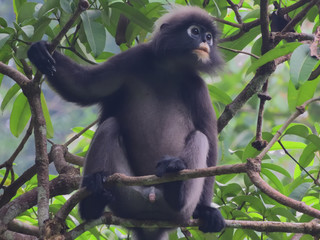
[(150, 234)]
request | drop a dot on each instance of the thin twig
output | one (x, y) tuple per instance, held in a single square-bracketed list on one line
[(305, 170), (239, 51), (300, 110), (80, 133)]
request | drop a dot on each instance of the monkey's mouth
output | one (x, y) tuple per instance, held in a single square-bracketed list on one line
[(202, 52), (203, 49)]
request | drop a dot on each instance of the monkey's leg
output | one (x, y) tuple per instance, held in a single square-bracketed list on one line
[(183, 194), (106, 156), (104, 152)]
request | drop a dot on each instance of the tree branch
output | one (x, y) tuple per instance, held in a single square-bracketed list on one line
[(260, 226), (23, 228), (299, 16), (14, 74), (254, 167), (252, 88)]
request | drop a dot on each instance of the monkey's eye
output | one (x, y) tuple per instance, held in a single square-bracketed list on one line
[(209, 38), (193, 31)]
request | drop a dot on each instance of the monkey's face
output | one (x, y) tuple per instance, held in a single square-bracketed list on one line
[(189, 44), (202, 42)]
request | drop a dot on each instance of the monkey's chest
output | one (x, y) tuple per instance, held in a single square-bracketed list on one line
[(153, 126)]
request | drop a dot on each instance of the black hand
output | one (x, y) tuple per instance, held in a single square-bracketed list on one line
[(169, 165), (39, 55)]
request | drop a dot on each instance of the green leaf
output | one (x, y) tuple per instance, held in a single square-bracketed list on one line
[(232, 189), (3, 39), (239, 44), (251, 152), (301, 65), (9, 95), (28, 30), (288, 145), (26, 12), (88, 134), (317, 127), (283, 212), (273, 54), (254, 202), (239, 233), (20, 115), (308, 154), (240, 215), (134, 15), (276, 168), (6, 53), (304, 93), (219, 95), (17, 5), (250, 233), (95, 33), (40, 27), (273, 178), (299, 192), (298, 130), (47, 7), (256, 49), (67, 6), (3, 22), (1, 78), (252, 14), (46, 114), (315, 140)]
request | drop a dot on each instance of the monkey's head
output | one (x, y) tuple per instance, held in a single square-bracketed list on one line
[(189, 36)]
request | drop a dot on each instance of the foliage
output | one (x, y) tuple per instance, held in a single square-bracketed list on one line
[(91, 40)]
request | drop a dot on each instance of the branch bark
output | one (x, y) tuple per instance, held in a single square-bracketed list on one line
[(261, 226)]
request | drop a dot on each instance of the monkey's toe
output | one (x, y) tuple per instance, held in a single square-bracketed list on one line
[(92, 207), (211, 219)]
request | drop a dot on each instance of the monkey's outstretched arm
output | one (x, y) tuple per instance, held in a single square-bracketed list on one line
[(85, 84)]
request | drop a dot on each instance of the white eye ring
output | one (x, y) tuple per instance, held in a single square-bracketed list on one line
[(193, 31), (209, 38)]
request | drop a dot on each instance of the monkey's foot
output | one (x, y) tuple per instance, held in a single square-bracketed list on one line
[(169, 165), (211, 219), (92, 207)]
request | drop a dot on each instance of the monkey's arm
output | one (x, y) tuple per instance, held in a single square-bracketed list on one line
[(84, 84)]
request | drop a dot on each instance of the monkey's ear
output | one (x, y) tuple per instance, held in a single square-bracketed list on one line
[(164, 26)]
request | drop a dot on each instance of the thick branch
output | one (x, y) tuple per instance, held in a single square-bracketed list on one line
[(291, 36), (63, 184), (121, 179), (299, 16), (32, 92), (260, 226), (254, 169), (16, 236), (264, 25), (264, 187), (252, 88), (23, 228), (14, 74)]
